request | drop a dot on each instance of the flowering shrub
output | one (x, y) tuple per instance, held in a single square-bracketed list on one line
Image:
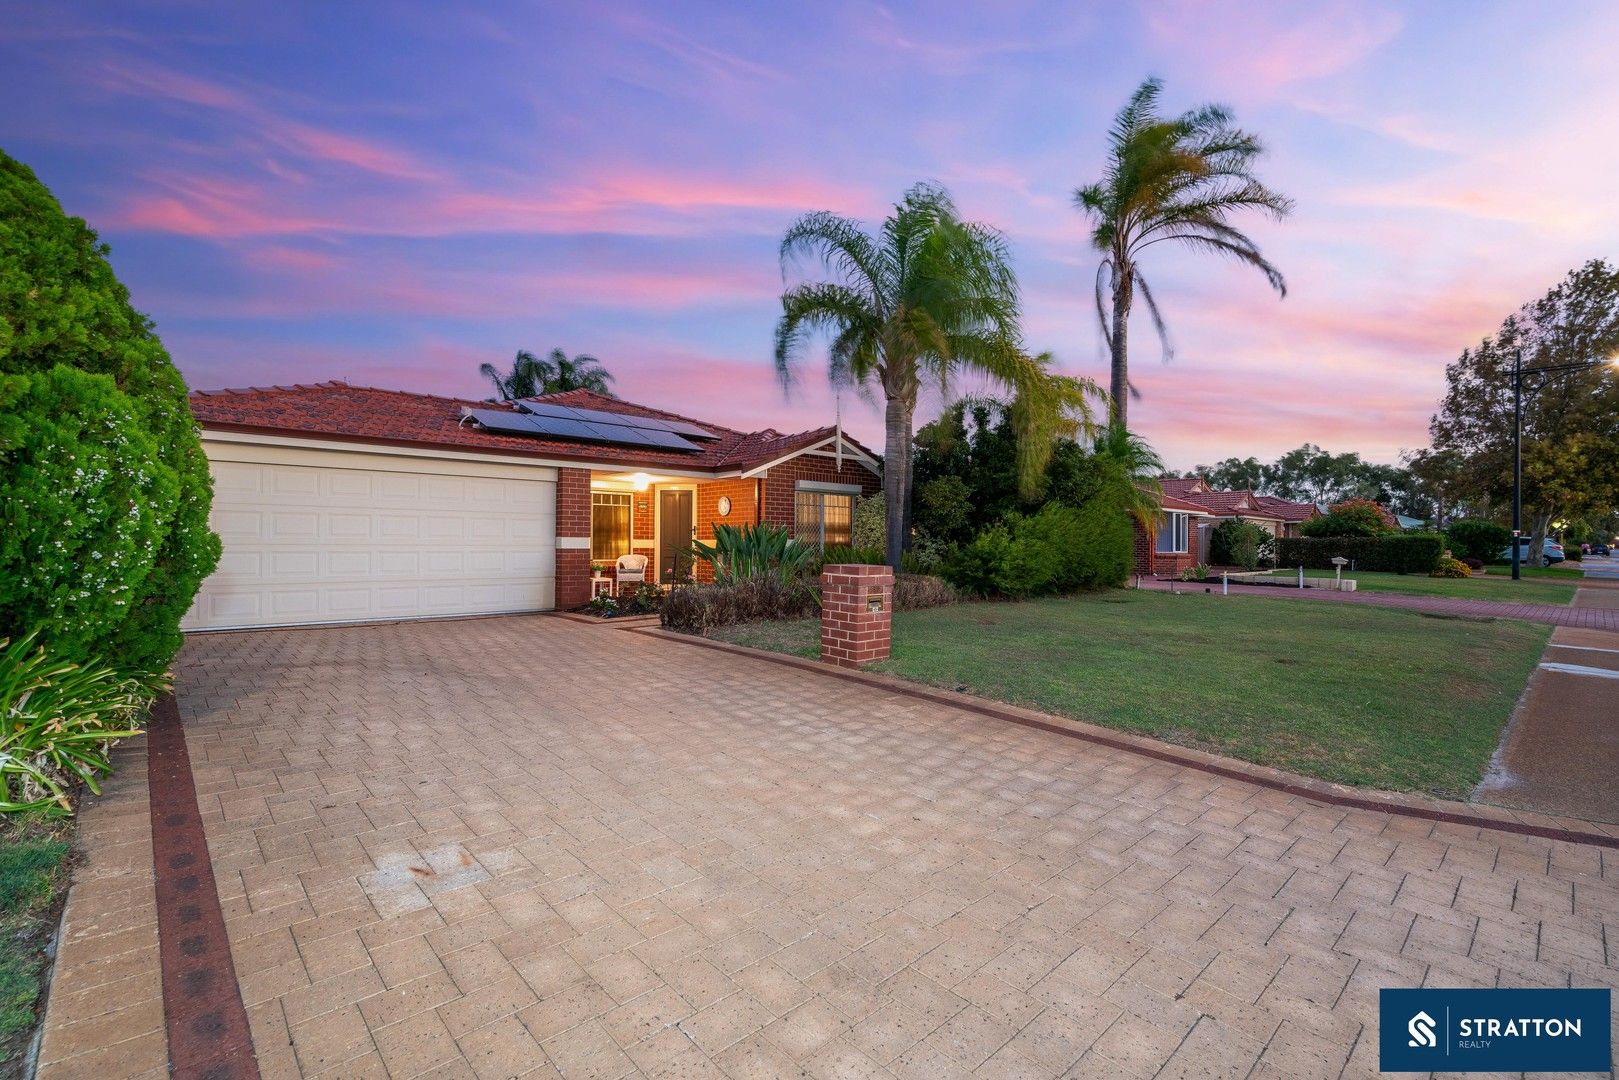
[(61, 307), (1453, 568), (80, 505), (60, 720)]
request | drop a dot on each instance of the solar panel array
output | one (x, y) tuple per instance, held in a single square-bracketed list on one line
[(548, 425), (613, 419)]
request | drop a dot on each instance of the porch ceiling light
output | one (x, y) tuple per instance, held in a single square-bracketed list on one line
[(641, 481)]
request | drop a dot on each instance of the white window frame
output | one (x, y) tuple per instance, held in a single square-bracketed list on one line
[(1177, 526)]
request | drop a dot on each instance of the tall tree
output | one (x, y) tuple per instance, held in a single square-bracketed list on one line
[(924, 297), (1137, 460), (531, 377), (1570, 418), (1177, 180)]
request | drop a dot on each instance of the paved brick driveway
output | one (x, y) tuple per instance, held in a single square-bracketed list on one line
[(529, 847)]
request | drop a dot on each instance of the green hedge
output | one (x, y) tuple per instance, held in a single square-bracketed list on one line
[(1061, 549), (62, 309), (1474, 538), (1405, 553)]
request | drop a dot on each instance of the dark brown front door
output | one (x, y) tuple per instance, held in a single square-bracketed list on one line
[(674, 535)]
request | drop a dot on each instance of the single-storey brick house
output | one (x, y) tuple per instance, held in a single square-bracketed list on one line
[(341, 503), (1192, 508)]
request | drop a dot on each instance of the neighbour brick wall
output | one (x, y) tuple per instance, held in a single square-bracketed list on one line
[(853, 635), (573, 526), (781, 483)]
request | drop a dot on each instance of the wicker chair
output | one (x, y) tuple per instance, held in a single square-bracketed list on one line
[(630, 570)]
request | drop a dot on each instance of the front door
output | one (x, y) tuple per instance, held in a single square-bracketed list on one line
[(674, 534)]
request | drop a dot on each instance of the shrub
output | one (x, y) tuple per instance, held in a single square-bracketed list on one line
[(835, 554), (943, 508), (60, 720), (61, 305), (80, 512), (1451, 568), (1235, 542), (1352, 517), (913, 592), (1573, 553), (1402, 553), (1195, 572), (699, 608), (754, 551), (1473, 564), (926, 555), (1059, 549), (1476, 539), (868, 530)]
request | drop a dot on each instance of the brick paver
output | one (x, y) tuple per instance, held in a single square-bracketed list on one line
[(524, 846), (1587, 618)]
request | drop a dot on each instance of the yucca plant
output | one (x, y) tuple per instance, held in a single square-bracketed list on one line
[(60, 721), (747, 552)]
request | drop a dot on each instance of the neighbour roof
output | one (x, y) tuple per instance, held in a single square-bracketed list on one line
[(1185, 506), (399, 418), (1287, 509)]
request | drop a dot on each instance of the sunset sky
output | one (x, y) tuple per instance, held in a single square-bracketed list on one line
[(391, 193)]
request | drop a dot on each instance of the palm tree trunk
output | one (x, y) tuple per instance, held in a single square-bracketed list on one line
[(1119, 386), (907, 520), (896, 476)]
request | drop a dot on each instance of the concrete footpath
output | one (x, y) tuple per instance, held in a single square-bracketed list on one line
[(1560, 752)]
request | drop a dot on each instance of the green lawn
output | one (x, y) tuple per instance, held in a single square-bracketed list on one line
[(1537, 589), (33, 879), (1360, 695)]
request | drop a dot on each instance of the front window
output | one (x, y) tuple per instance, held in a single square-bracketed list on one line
[(823, 518), (609, 525), (1172, 536)]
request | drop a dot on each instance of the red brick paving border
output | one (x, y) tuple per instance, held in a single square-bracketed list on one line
[(1556, 615), (1232, 769), (202, 1002)]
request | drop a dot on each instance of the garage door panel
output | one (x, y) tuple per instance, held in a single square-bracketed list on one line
[(321, 543)]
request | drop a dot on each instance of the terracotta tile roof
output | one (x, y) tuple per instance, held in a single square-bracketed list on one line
[(337, 410), (1286, 509), (1170, 502), (1195, 489)]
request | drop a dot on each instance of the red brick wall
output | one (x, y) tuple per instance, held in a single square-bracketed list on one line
[(573, 538), (1150, 561), (853, 635), (781, 482)]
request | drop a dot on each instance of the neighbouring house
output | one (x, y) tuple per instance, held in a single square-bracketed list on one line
[(1201, 507), (1174, 547), (341, 503)]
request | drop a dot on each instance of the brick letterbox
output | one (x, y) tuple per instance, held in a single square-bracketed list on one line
[(857, 613)]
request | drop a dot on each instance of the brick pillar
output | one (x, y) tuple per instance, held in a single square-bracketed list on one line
[(573, 538), (857, 614)]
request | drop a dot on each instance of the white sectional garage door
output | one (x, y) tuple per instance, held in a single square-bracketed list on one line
[(316, 536)]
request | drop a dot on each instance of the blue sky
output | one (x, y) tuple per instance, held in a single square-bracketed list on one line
[(394, 193)]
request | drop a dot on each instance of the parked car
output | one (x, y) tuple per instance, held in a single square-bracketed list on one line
[(1550, 552), (1600, 549)]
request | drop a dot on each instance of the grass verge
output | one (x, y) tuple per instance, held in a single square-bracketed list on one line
[(1494, 586), (34, 854), (1349, 693)]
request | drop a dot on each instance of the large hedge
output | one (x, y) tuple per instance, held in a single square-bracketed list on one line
[(1474, 538), (62, 306), (1402, 553), (1060, 549)]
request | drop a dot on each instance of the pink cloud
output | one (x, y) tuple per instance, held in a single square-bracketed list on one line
[(1259, 48)]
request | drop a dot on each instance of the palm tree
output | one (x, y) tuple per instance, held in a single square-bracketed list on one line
[(927, 295), (1142, 466), (1048, 408), (531, 377), (1169, 180), (582, 372), (523, 380)]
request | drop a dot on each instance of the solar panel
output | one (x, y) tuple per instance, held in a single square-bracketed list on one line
[(613, 419), (557, 426)]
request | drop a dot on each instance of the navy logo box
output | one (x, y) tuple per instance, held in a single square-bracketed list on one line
[(1437, 1030)]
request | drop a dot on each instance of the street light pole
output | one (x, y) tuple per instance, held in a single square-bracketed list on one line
[(1517, 463)]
